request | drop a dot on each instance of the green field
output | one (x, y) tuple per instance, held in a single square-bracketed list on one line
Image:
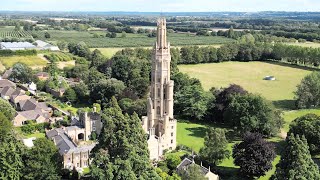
[(192, 135), (131, 40), (109, 52), (32, 61), (306, 44), (250, 76)]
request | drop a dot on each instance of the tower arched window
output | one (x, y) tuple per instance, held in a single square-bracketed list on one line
[(159, 92), (158, 110)]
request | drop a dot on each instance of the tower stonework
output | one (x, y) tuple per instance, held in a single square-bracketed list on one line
[(160, 123)]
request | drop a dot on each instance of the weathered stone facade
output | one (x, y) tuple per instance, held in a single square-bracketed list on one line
[(160, 123)]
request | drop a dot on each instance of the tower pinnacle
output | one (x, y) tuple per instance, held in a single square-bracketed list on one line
[(162, 34)]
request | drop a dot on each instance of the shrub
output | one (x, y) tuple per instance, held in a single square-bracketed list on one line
[(28, 129)]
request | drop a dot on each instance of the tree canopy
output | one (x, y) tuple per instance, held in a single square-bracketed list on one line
[(122, 151), (11, 150), (254, 155), (309, 127), (42, 161), (22, 73), (7, 109), (308, 94), (253, 113), (215, 146), (296, 161)]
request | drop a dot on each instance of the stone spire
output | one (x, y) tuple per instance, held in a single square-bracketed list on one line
[(160, 123), (162, 34)]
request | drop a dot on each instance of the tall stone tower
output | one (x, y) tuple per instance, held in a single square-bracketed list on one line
[(160, 123)]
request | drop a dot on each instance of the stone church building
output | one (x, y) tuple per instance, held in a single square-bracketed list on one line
[(159, 122)]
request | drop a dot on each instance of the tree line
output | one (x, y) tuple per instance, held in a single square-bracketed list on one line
[(248, 52)]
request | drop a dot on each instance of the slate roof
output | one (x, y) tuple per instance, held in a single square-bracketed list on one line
[(5, 83), (187, 162), (7, 91), (32, 104), (31, 115), (17, 93), (7, 73), (64, 143)]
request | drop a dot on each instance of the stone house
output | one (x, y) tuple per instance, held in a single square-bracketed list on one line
[(73, 141), (185, 164), (6, 83), (22, 117), (74, 154), (6, 92)]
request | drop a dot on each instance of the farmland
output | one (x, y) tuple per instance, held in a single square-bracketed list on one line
[(131, 40), (32, 61)]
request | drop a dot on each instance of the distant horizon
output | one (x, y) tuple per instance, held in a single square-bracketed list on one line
[(159, 11), (161, 5)]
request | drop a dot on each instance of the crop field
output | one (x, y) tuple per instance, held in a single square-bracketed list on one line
[(32, 61), (306, 44), (131, 40)]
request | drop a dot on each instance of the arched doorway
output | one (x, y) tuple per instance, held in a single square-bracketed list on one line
[(81, 137)]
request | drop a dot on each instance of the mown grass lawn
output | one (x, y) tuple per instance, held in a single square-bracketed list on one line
[(289, 116), (32, 61), (192, 134), (250, 76)]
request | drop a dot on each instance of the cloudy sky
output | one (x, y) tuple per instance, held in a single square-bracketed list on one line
[(161, 5)]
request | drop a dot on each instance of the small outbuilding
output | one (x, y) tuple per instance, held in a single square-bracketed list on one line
[(16, 46), (46, 46)]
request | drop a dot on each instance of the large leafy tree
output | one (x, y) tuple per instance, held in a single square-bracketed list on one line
[(296, 161), (254, 155), (308, 126), (192, 101), (11, 151), (80, 49), (253, 113), (22, 73), (6, 109), (122, 151), (107, 88), (222, 100), (96, 58), (70, 95), (215, 146), (308, 94), (173, 161), (42, 161)]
